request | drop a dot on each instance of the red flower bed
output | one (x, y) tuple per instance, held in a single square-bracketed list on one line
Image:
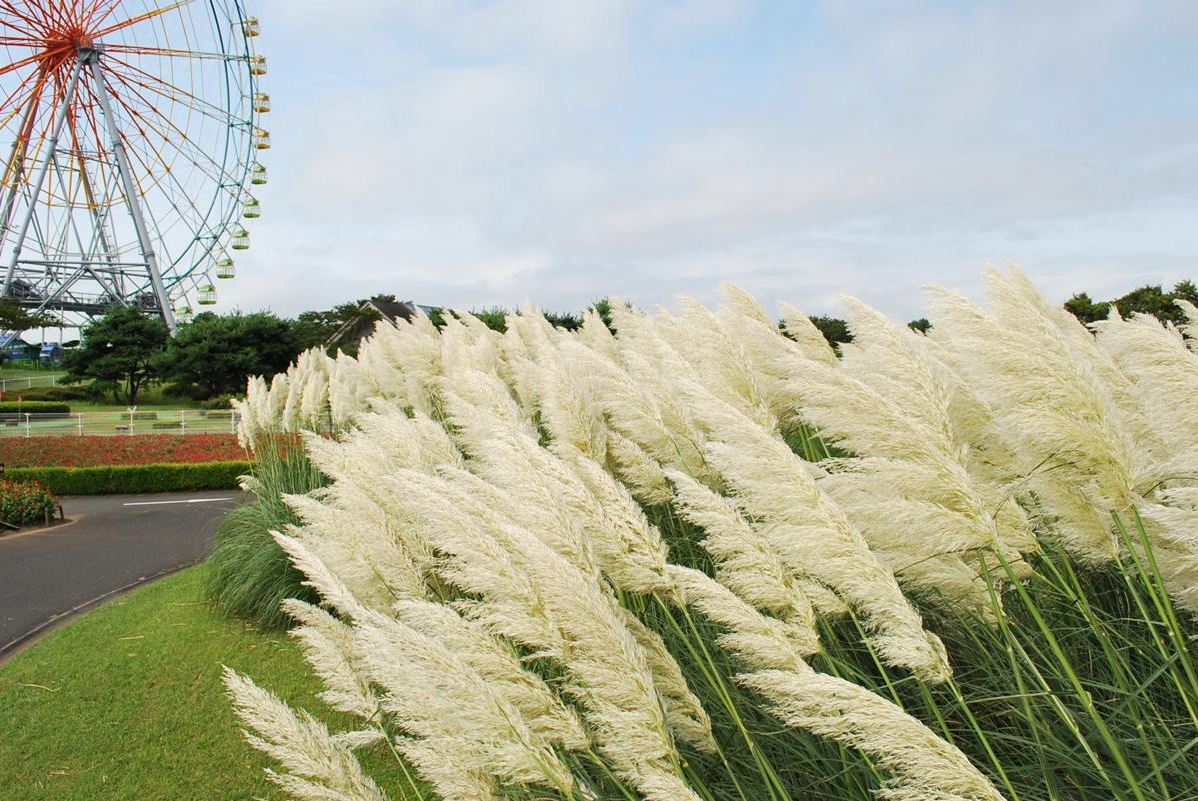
[(139, 449), (25, 502)]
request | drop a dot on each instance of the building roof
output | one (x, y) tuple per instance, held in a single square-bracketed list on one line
[(370, 312)]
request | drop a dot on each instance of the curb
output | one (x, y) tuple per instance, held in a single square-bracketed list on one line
[(28, 638)]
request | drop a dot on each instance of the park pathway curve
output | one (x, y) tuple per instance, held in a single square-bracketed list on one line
[(111, 543)]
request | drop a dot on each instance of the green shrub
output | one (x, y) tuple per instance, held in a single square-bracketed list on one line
[(224, 402), (248, 573), (10, 408), (25, 502), (123, 479), (61, 392), (182, 391)]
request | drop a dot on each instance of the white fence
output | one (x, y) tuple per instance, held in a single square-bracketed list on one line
[(17, 384), (128, 423)]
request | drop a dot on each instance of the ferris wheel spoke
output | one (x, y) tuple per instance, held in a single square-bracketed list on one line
[(171, 176), (169, 91), (7, 22), (198, 155), (23, 105), (57, 13), (102, 10), (21, 12), (167, 52), (24, 62), (151, 14)]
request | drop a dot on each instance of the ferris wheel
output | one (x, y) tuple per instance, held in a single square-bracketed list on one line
[(135, 142)]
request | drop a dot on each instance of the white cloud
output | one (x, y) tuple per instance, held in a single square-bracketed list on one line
[(478, 153)]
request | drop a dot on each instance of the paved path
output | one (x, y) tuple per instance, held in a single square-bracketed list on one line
[(112, 543)]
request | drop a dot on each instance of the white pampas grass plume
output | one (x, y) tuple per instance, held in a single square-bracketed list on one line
[(771, 353), (406, 360), (500, 666), (328, 647), (923, 766), (648, 415), (566, 403), (811, 341), (1054, 392), (746, 563), (639, 396), (332, 590), (365, 547), (1172, 529), (596, 335), (908, 488), (629, 549), (643, 476), (1164, 378), (759, 641), (507, 455), (319, 766), (530, 594), (720, 360), (684, 712), (811, 533), (456, 721)]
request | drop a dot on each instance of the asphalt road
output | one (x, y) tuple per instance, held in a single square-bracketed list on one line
[(111, 543)]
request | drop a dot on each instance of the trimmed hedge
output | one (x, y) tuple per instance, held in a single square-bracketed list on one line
[(34, 407), (130, 478)]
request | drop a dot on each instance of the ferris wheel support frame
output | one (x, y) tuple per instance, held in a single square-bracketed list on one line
[(43, 169), (89, 58)]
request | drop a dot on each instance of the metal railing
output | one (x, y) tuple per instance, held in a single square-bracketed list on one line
[(116, 423)]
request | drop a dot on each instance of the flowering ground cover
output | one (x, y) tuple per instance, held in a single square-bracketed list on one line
[(25, 502), (141, 449)]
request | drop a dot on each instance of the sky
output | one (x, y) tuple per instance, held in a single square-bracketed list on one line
[(471, 154)]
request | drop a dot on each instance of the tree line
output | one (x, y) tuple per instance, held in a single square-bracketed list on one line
[(1149, 299), (211, 356)]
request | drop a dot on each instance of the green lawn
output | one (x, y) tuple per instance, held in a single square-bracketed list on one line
[(24, 372), (127, 703), (147, 405)]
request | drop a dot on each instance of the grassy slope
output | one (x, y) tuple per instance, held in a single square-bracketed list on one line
[(126, 703)]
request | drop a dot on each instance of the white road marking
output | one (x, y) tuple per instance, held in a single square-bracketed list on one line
[(190, 500)]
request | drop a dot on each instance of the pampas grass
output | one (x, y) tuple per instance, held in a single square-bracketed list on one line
[(709, 558)]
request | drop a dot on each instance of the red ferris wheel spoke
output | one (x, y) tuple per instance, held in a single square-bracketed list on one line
[(16, 98), (53, 13), (36, 25), (100, 11), (24, 62), (7, 22)]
